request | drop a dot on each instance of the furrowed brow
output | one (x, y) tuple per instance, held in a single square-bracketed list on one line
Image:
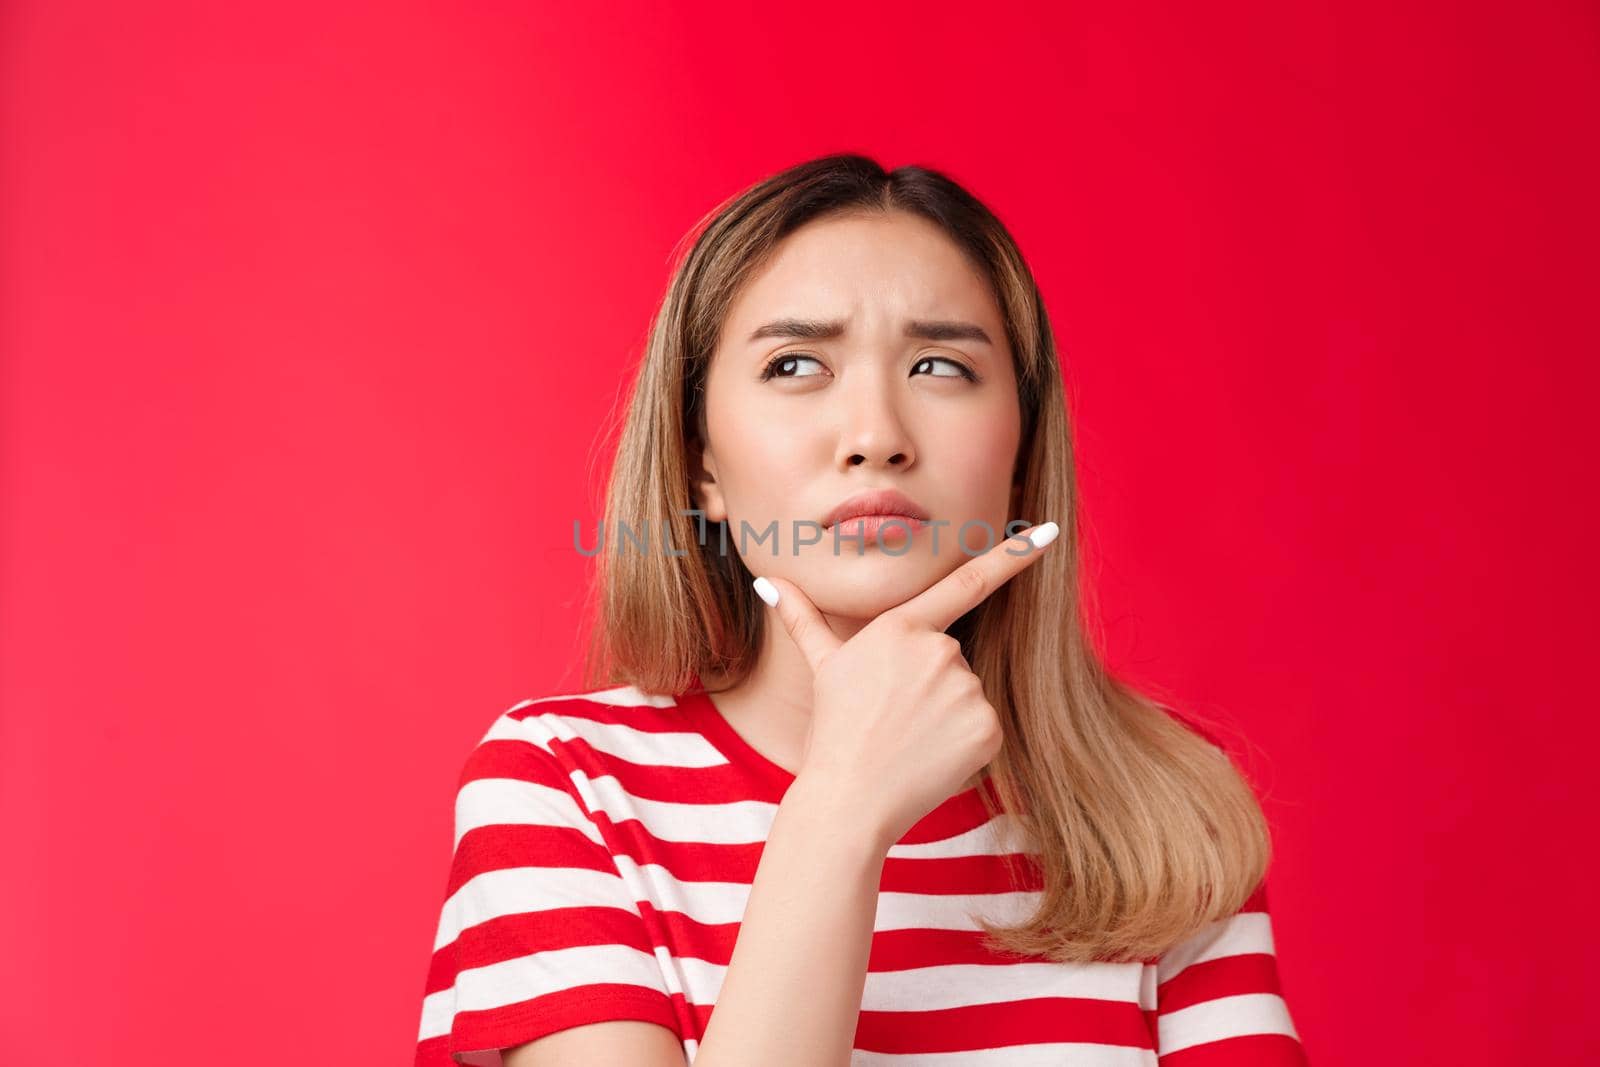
[(817, 329), (948, 331), (808, 329)]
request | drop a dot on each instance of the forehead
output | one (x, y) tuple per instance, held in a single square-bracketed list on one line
[(893, 263)]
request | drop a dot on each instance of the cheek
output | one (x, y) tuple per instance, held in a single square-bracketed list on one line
[(979, 463), (763, 460)]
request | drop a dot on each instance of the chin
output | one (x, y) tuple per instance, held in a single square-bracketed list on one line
[(865, 588)]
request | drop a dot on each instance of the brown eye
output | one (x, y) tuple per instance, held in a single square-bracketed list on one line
[(962, 370), (783, 366)]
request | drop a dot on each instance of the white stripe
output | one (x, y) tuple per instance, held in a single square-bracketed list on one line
[(669, 969), (438, 1012), (1244, 932), (523, 890), (660, 748), (741, 822), (749, 822), (1076, 1053), (514, 802), (955, 985), (525, 977), (710, 903), (991, 839), (670, 748), (1147, 988), (961, 985), (713, 903), (951, 911), (1222, 1018), (623, 696)]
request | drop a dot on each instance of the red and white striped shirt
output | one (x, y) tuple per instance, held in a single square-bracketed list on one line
[(605, 844)]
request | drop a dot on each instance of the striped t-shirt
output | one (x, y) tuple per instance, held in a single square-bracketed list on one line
[(605, 844)]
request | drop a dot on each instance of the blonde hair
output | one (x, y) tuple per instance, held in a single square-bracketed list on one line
[(1141, 829)]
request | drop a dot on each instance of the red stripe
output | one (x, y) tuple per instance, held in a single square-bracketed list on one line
[(509, 758), (641, 717), (513, 1024), (1017, 1022), (687, 861), (718, 784), (891, 950), (713, 942), (692, 861), (500, 846), (434, 1052), (903, 950), (1252, 972), (508, 937), (958, 874), (1257, 1050)]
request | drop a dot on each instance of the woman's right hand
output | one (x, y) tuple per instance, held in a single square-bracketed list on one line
[(899, 721)]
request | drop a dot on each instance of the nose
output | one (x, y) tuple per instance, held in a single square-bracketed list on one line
[(874, 434)]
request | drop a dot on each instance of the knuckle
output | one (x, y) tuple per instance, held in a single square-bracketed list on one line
[(993, 745), (947, 650), (988, 734)]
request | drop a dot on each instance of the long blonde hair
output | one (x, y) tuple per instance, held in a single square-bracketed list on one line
[(1140, 829)]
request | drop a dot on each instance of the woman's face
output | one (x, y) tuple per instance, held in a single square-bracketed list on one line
[(902, 380)]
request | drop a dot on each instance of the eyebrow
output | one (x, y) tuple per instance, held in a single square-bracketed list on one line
[(927, 330)]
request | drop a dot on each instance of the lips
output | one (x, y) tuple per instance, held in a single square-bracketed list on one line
[(889, 503)]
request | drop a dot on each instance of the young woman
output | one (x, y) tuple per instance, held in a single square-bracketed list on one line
[(847, 768)]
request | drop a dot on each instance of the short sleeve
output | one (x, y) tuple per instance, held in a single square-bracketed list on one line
[(1217, 998), (538, 932)]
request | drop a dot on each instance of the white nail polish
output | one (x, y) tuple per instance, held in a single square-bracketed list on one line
[(767, 591), (1044, 534)]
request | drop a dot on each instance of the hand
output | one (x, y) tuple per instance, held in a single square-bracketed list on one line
[(899, 721)]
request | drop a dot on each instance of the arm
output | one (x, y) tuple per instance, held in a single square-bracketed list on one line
[(1218, 1000), (804, 941)]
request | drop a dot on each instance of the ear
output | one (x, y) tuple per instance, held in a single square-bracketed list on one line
[(703, 482)]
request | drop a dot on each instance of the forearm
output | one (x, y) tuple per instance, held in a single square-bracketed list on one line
[(792, 992)]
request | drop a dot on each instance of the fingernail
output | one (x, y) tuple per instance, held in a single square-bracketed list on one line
[(767, 591), (1043, 535)]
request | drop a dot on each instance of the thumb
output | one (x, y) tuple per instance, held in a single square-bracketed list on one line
[(805, 624)]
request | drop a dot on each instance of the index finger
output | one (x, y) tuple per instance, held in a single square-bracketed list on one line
[(969, 584)]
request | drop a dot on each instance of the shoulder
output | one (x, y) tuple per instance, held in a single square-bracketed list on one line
[(586, 731), (542, 762)]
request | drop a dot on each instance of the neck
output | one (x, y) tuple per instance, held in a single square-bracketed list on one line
[(771, 706)]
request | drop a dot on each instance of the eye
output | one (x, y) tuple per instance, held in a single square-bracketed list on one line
[(783, 364), (962, 370)]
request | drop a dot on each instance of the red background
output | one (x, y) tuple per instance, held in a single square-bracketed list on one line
[(314, 316)]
